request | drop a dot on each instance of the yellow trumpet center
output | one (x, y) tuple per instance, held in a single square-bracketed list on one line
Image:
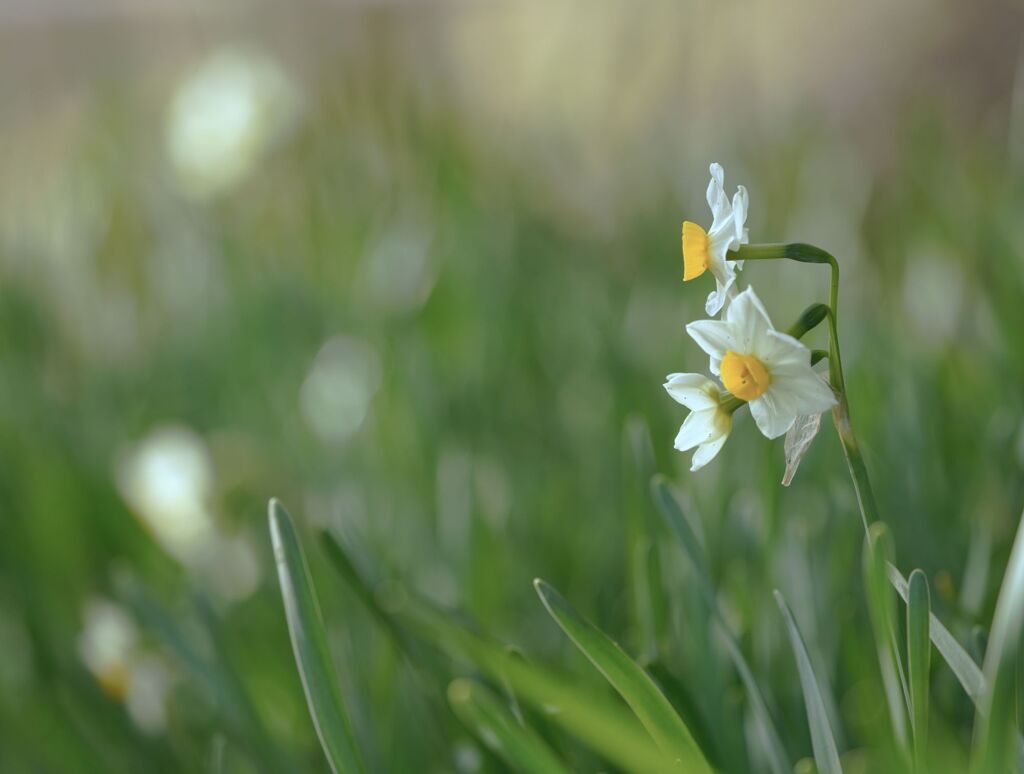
[(744, 375), (114, 681), (695, 251)]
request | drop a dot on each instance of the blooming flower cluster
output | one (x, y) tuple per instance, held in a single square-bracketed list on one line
[(758, 366)]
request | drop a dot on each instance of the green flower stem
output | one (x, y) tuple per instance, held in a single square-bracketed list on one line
[(805, 253)]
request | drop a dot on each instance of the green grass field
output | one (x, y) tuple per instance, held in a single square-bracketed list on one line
[(437, 332)]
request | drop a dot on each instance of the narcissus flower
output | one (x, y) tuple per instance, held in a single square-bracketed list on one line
[(707, 250), (708, 423), (768, 369)]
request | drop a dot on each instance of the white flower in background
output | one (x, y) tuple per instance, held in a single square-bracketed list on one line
[(708, 423), (768, 369), (339, 389), (106, 644), (109, 646), (167, 479), (224, 117), (707, 250)]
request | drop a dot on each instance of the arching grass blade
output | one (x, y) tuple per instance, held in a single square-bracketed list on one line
[(995, 729), (496, 727), (635, 686), (309, 642), (826, 756)]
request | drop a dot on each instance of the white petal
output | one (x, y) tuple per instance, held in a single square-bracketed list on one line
[(695, 391), (715, 337), (776, 350), (747, 318), (724, 293), (706, 452), (773, 416), (717, 200), (800, 388), (699, 427), (740, 202)]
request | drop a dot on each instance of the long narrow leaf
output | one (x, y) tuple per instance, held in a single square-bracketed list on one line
[(635, 686), (994, 742), (496, 727), (957, 658), (309, 643), (919, 650), (669, 506), (826, 756), (878, 550)]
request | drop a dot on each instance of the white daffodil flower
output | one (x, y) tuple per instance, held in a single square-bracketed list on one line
[(707, 250), (768, 369), (708, 424)]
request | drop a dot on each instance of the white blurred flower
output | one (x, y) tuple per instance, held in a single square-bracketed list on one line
[(106, 645), (148, 687), (224, 117), (109, 646), (167, 479), (339, 388), (768, 369), (231, 567), (708, 424), (707, 250)]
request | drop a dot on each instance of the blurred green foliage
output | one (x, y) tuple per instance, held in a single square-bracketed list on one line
[(505, 336)]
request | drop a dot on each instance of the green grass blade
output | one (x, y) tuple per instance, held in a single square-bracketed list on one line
[(964, 668), (919, 650), (635, 686), (495, 726), (583, 712), (996, 734), (878, 550), (826, 756), (774, 751), (309, 642), (959, 661), (669, 506), (589, 716)]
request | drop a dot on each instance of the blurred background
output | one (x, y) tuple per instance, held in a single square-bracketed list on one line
[(414, 268)]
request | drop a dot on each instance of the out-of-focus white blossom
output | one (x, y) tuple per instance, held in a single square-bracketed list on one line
[(224, 117)]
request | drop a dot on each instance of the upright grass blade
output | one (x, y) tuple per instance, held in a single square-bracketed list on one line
[(995, 729), (959, 660), (495, 726), (670, 509), (825, 754), (962, 665), (878, 551), (647, 593), (919, 650), (634, 685), (309, 642)]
